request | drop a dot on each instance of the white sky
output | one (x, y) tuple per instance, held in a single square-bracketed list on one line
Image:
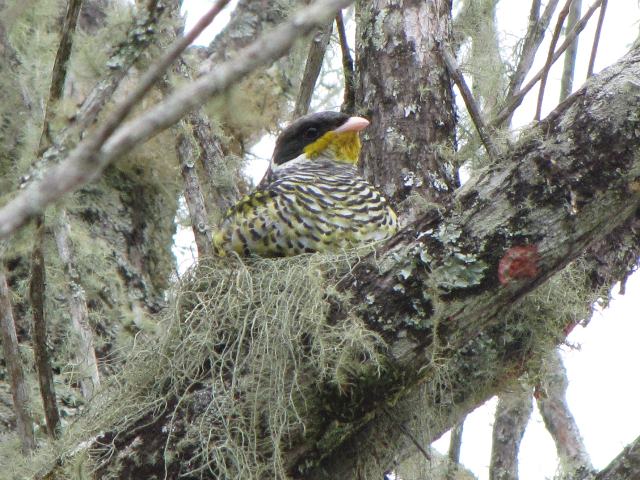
[(604, 392)]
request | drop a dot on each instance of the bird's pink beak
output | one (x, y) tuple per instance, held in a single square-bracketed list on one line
[(354, 124)]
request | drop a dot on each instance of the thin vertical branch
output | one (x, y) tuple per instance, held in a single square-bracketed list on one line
[(574, 459), (37, 289), (511, 418), (547, 66), (568, 71), (59, 72), (11, 354), (537, 26), (516, 99), (472, 106), (455, 445), (349, 100), (596, 38), (193, 194), (76, 298), (39, 330), (315, 57)]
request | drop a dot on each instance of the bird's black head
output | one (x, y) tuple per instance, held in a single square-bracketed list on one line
[(300, 136)]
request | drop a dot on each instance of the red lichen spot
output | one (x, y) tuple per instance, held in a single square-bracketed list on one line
[(518, 263)]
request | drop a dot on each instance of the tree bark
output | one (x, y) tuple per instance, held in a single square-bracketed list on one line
[(89, 377), (396, 48), (512, 415)]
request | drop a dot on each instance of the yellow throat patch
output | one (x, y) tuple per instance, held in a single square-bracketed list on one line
[(343, 147)]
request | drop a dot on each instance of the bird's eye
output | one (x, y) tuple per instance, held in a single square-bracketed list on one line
[(310, 133)]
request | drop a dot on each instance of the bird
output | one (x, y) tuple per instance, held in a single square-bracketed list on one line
[(312, 198)]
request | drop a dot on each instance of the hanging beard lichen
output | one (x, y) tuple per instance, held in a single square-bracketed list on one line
[(233, 375)]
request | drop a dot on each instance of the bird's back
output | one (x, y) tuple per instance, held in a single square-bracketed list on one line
[(307, 206)]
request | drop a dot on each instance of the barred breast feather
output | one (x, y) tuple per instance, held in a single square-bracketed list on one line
[(308, 206)]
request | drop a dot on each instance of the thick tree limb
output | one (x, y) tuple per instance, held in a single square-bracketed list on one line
[(87, 160), (392, 143)]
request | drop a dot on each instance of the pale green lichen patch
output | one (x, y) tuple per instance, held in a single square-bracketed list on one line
[(459, 271)]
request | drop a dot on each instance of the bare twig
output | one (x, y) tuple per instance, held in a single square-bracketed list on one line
[(516, 99), (349, 101), (317, 50), (596, 38), (547, 66), (86, 354), (568, 70), (11, 355), (559, 421), (86, 161), (59, 72), (537, 26), (472, 106), (511, 418)]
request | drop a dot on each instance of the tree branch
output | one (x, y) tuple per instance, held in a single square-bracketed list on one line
[(537, 27), (574, 459), (88, 159), (89, 377), (469, 101), (193, 195), (596, 38), (11, 355), (349, 101), (568, 71), (315, 57), (547, 66), (516, 99), (512, 415)]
